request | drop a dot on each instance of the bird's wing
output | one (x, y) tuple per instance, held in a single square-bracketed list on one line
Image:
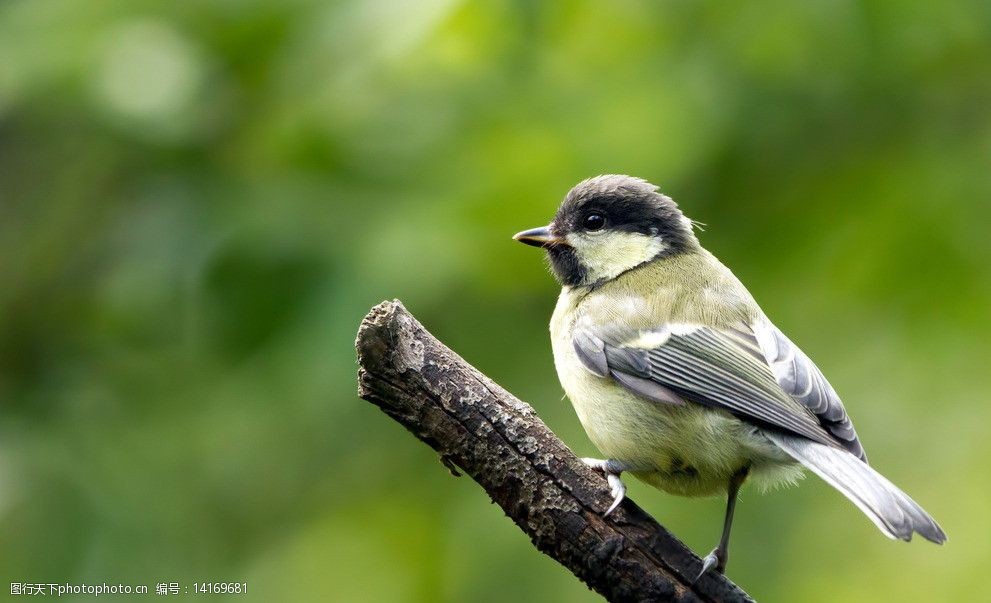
[(752, 371), (801, 379), (757, 374)]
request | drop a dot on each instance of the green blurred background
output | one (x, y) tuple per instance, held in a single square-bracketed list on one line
[(199, 202)]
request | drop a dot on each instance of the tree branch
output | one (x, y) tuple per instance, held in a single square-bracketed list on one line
[(498, 440)]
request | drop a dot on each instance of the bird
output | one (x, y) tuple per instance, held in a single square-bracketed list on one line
[(677, 375)]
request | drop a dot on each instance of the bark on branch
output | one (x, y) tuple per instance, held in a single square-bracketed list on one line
[(498, 440)]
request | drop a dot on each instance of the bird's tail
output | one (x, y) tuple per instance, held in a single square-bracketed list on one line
[(897, 515)]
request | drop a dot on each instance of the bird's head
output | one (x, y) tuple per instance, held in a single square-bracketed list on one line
[(608, 225)]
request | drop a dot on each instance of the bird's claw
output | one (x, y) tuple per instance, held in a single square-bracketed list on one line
[(618, 490), (611, 470), (711, 561)]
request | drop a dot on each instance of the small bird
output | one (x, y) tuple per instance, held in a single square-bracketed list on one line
[(677, 375)]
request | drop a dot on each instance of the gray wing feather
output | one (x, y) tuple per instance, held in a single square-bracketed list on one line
[(652, 390), (891, 510), (802, 380), (592, 352), (706, 367)]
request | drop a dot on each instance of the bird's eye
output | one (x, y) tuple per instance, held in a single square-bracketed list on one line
[(594, 222)]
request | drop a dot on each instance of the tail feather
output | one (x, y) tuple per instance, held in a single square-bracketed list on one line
[(891, 510)]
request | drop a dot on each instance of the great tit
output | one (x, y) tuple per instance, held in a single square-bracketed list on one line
[(677, 375)]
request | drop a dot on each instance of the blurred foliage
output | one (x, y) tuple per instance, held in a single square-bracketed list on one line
[(199, 201)]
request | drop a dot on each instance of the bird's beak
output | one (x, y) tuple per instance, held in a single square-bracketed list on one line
[(538, 237)]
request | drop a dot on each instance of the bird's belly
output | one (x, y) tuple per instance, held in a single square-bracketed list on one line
[(689, 450)]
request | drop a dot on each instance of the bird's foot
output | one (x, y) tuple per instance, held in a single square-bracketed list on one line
[(714, 560), (611, 469)]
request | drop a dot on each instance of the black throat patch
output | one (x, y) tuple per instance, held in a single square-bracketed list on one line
[(565, 265)]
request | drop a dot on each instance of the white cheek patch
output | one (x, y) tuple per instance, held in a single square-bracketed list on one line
[(608, 254)]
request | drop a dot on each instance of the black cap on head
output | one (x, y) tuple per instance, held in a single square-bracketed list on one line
[(626, 204), (612, 205)]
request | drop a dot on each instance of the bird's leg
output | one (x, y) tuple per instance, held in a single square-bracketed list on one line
[(611, 469), (718, 557)]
